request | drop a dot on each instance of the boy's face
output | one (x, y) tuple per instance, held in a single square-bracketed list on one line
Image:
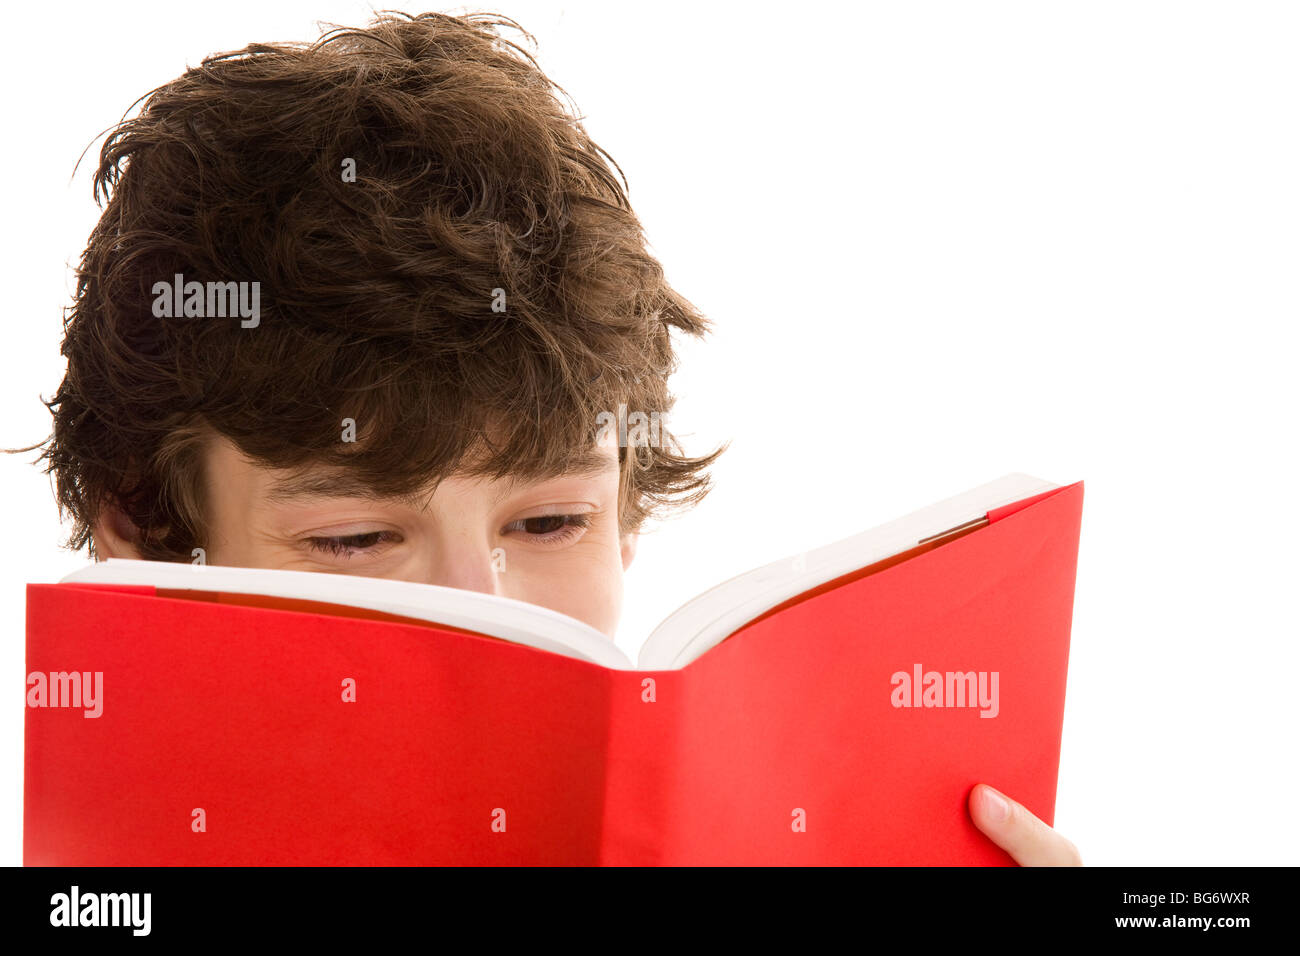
[(553, 542)]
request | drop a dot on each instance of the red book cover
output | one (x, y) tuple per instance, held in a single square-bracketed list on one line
[(846, 725)]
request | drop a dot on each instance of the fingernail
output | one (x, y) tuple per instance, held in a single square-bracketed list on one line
[(995, 805)]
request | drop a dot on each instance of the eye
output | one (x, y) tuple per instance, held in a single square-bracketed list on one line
[(551, 529), (350, 544)]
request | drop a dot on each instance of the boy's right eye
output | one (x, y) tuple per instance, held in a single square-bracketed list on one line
[(351, 543)]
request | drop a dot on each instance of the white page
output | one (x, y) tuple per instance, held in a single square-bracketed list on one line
[(506, 618)]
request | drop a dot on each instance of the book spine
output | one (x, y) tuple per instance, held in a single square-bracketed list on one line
[(646, 713)]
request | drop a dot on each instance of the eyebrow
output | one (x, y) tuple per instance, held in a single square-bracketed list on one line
[(340, 483)]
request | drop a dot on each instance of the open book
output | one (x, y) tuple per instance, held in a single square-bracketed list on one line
[(833, 707)]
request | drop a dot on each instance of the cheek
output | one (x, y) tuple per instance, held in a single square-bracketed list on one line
[(600, 603), (586, 585)]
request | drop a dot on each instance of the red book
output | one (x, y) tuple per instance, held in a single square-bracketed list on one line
[(833, 708)]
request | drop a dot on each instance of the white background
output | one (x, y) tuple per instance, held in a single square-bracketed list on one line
[(940, 242)]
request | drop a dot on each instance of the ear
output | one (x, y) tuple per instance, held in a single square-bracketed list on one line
[(627, 546), (114, 535)]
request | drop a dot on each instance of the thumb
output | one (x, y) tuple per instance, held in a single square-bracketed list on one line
[(1029, 840)]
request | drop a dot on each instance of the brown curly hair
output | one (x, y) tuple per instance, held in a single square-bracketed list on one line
[(471, 176)]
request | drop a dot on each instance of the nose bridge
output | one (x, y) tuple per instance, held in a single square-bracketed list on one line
[(464, 561), (461, 526)]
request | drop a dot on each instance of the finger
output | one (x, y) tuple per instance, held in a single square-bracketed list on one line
[(1029, 840)]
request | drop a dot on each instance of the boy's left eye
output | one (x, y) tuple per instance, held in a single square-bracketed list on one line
[(550, 528)]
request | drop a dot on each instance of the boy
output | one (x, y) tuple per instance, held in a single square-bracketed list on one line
[(357, 307)]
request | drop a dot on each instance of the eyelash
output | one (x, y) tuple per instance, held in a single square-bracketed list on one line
[(350, 544), (572, 527), (341, 545)]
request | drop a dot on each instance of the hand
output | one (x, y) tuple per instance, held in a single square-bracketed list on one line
[(1029, 840)]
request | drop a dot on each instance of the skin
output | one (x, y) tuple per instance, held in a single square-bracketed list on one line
[(447, 536)]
